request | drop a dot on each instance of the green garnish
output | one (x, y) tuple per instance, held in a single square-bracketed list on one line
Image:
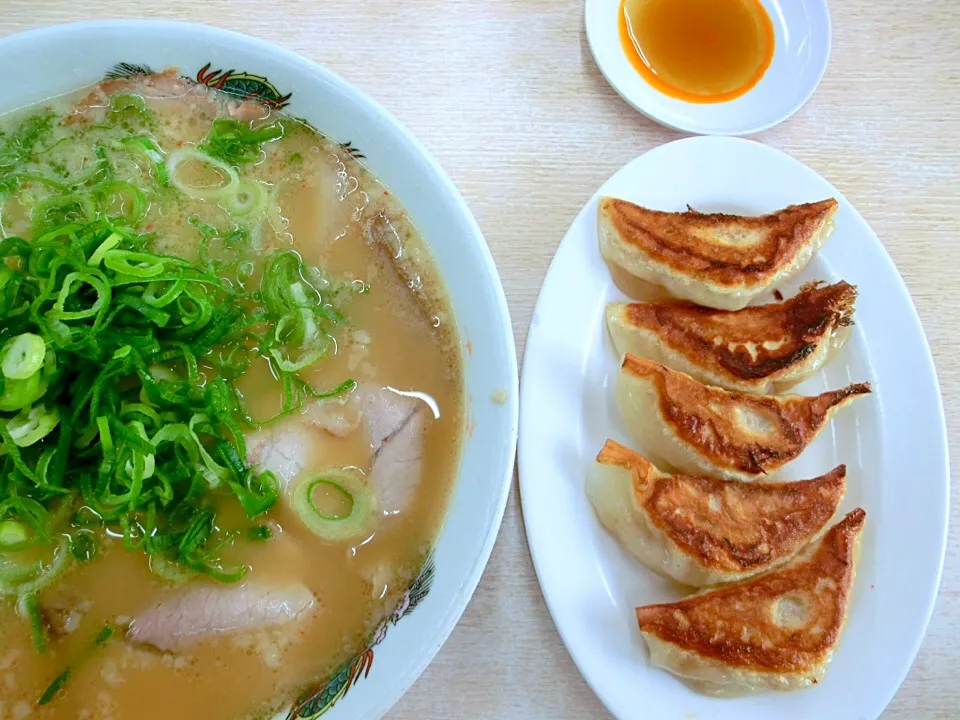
[(20, 145), (237, 143), (260, 533), (32, 425), (128, 109), (113, 418), (248, 198), (301, 322), (13, 534), (119, 410), (98, 426), (53, 688), (335, 506), (23, 356), (229, 176), (29, 608), (147, 148), (60, 680), (84, 546)]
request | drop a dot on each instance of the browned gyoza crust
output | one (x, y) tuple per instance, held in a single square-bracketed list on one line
[(751, 344), (728, 525), (735, 625), (673, 239), (705, 418)]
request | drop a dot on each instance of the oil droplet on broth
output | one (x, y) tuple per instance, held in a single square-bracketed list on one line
[(701, 51)]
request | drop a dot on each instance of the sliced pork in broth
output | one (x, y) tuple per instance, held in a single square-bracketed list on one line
[(395, 425), (210, 610)]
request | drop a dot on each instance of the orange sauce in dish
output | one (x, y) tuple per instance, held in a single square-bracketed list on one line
[(701, 51)]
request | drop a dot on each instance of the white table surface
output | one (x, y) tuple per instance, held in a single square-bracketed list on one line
[(506, 95)]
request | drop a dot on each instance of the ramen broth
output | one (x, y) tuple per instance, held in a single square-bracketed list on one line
[(398, 336)]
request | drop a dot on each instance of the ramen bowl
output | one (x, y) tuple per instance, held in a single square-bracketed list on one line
[(48, 62)]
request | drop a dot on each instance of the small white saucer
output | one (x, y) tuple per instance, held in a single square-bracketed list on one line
[(801, 52)]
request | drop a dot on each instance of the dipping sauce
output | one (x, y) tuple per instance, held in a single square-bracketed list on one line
[(701, 51)]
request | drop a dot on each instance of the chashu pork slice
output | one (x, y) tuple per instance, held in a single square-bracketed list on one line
[(758, 349), (702, 531), (704, 430), (718, 260), (394, 424), (201, 611), (775, 631)]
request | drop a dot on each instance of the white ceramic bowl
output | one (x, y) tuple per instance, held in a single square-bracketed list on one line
[(51, 61), (801, 52)]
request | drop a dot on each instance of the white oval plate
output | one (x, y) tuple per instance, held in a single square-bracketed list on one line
[(800, 56), (893, 443)]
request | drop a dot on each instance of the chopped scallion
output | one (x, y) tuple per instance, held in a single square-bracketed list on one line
[(23, 356), (60, 680), (336, 505)]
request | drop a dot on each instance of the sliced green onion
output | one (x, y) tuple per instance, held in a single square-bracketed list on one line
[(317, 348), (12, 574), (249, 196), (260, 533), (353, 518), (52, 183), (121, 367), (235, 142), (18, 394), (347, 386), (56, 686), (107, 192), (13, 534), (178, 157), (23, 356), (71, 294), (168, 570), (111, 242), (84, 546), (148, 148), (31, 426), (128, 106), (43, 578), (63, 208), (137, 264), (29, 609)]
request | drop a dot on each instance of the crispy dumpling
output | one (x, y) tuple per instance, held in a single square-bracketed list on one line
[(721, 261), (756, 349), (775, 631), (703, 531), (705, 430)]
